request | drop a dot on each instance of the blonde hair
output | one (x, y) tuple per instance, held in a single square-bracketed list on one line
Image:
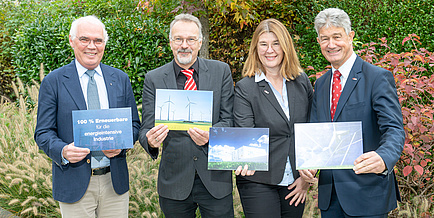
[(290, 66)]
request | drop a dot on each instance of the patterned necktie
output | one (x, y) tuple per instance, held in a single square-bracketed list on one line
[(190, 84), (93, 104), (336, 92)]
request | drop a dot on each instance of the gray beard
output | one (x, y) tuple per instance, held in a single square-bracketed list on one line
[(184, 61)]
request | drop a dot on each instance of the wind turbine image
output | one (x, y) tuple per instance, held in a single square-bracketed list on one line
[(168, 109), (161, 108), (189, 106), (173, 114)]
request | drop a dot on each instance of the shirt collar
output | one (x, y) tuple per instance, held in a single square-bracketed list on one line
[(82, 70), (178, 69), (346, 67), (259, 77)]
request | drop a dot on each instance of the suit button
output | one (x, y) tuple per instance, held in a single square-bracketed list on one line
[(88, 161), (195, 158)]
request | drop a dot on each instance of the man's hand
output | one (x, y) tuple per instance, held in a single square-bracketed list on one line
[(369, 162), (200, 137), (156, 135), (112, 153), (308, 175), (74, 154), (244, 171)]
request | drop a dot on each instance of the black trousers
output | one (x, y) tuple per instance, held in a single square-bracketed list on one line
[(263, 200), (209, 206)]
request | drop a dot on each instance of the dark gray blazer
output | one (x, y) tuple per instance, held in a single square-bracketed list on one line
[(181, 157), (256, 106)]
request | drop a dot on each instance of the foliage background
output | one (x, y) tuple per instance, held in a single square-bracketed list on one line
[(34, 39)]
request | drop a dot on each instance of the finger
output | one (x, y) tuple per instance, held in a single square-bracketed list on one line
[(250, 172), (244, 171), (293, 199), (238, 171), (292, 193), (305, 175)]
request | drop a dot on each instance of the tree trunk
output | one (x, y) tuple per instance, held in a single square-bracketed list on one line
[(204, 20)]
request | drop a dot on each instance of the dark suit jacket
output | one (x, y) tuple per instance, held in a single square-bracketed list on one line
[(256, 106), (369, 96), (60, 93), (181, 157)]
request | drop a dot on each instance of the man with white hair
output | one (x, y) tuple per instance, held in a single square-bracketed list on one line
[(354, 90), (184, 182), (86, 184)]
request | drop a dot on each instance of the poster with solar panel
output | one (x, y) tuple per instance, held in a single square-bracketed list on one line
[(330, 145), (230, 147)]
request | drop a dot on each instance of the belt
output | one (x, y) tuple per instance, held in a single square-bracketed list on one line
[(100, 171)]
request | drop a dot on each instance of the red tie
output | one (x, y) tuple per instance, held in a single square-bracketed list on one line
[(336, 92), (189, 84)]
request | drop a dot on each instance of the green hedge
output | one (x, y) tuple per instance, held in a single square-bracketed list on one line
[(136, 44), (371, 20), (33, 32)]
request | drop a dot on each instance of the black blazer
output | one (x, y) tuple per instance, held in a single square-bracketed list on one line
[(256, 106), (60, 93), (181, 157)]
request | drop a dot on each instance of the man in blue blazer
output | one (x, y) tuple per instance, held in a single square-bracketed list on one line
[(184, 182), (85, 185), (368, 94)]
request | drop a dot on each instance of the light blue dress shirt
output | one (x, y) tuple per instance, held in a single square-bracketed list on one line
[(103, 98)]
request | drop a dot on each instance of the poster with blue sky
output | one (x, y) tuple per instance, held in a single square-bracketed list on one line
[(183, 109), (230, 147)]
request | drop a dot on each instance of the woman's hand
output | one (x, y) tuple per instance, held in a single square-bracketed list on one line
[(244, 171), (299, 193)]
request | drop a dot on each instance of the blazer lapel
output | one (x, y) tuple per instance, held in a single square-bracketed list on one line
[(204, 76), (168, 76), (353, 78), (291, 99), (324, 94), (73, 86), (265, 89), (110, 84)]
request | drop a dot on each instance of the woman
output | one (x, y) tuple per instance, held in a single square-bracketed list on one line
[(274, 94)]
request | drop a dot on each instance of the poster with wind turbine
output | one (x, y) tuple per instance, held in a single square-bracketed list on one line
[(183, 109)]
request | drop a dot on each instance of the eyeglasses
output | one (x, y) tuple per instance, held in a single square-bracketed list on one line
[(179, 41), (86, 41)]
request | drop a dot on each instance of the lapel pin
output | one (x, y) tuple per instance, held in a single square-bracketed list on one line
[(355, 79), (266, 92), (111, 84)]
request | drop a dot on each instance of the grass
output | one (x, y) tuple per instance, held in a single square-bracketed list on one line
[(25, 171)]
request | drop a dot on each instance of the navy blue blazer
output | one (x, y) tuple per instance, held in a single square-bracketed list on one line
[(60, 93), (369, 96)]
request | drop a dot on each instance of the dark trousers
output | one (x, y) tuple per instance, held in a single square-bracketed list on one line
[(199, 197), (263, 200), (335, 210)]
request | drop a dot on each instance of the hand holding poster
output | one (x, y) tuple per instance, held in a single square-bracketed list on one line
[(104, 129)]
